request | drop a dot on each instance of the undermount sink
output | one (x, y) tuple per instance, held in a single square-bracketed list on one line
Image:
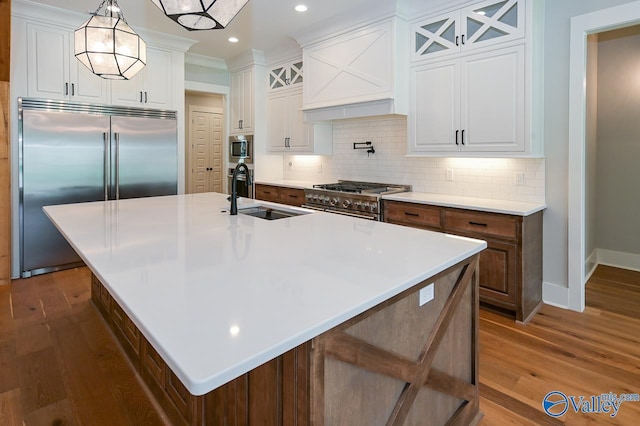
[(269, 213)]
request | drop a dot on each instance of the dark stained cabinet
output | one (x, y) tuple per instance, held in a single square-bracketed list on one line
[(511, 266), (280, 194)]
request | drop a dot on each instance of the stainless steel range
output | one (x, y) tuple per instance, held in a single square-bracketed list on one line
[(359, 199)]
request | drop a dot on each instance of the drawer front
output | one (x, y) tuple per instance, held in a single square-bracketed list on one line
[(481, 223), (152, 364), (291, 196), (268, 193), (183, 400), (412, 214)]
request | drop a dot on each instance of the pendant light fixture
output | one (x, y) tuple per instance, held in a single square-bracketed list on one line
[(108, 46), (201, 14)]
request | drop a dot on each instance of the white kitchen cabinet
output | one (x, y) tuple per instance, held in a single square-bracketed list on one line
[(151, 87), (285, 76), (53, 72), (472, 104), (482, 24), (242, 101), (366, 64), (288, 132)]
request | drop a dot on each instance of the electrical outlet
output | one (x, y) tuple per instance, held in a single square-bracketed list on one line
[(290, 165), (427, 294), (448, 175), (520, 178)]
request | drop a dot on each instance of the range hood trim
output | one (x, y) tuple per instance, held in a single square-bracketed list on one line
[(356, 110)]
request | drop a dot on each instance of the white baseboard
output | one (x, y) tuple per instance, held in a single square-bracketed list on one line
[(555, 295), (590, 265), (619, 259)]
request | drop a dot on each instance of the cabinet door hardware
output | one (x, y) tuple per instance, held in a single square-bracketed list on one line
[(73, 89), (462, 136), (457, 132), (146, 100), (478, 224), (66, 89), (411, 214), (463, 39), (140, 96), (240, 124), (457, 40)]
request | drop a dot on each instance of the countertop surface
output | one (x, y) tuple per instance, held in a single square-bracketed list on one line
[(218, 295), (471, 203), (297, 184)]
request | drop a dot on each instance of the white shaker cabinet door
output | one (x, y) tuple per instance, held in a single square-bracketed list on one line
[(242, 102), (277, 123), (85, 85), (158, 88), (129, 92), (493, 101), (48, 62), (300, 133), (435, 107)]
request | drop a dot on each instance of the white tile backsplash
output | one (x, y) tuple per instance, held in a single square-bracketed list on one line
[(493, 178)]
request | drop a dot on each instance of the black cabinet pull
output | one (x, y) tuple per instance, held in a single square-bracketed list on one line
[(73, 89), (462, 137), (293, 196), (462, 38), (457, 41), (478, 224), (145, 98), (240, 124), (457, 131), (66, 89), (140, 96), (411, 214)]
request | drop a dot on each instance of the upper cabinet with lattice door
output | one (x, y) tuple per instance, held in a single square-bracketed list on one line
[(476, 26), (286, 75)]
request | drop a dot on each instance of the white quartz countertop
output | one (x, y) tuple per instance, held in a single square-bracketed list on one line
[(298, 184), (471, 203), (218, 295)]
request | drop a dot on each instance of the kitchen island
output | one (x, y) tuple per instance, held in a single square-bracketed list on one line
[(312, 319)]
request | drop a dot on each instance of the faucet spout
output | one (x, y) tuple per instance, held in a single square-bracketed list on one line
[(234, 193)]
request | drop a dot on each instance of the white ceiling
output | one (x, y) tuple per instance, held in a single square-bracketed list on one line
[(262, 24)]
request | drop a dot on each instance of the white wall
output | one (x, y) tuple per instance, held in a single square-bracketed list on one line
[(618, 191), (556, 117), (478, 177)]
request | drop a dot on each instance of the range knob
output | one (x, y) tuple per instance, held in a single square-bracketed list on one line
[(334, 201), (347, 203), (326, 199), (358, 204), (374, 207), (365, 205), (315, 197), (308, 196)]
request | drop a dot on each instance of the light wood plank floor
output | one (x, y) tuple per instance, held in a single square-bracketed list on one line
[(60, 365), (592, 353)]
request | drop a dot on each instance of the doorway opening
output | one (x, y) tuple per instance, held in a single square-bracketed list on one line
[(583, 138)]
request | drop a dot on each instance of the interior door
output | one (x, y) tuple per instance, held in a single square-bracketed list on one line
[(144, 157), (63, 162), (206, 142)]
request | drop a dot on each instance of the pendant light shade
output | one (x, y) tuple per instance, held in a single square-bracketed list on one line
[(108, 46), (201, 14)]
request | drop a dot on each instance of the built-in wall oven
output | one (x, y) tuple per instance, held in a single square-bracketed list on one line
[(242, 187), (241, 149)]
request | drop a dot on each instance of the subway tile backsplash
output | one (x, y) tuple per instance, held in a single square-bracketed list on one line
[(493, 178)]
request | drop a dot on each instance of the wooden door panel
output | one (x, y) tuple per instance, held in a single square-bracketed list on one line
[(498, 272)]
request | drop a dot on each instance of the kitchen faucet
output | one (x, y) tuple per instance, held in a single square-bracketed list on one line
[(234, 193)]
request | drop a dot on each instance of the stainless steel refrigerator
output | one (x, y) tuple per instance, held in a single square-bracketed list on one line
[(74, 153)]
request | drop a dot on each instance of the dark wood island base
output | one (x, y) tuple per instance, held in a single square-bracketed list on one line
[(398, 363)]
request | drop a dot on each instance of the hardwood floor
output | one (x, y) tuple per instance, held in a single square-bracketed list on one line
[(60, 365), (587, 354)]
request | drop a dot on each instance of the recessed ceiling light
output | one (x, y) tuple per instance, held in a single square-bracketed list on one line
[(233, 39), (301, 8)]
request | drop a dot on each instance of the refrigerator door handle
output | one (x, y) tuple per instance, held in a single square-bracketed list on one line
[(105, 137), (117, 138)]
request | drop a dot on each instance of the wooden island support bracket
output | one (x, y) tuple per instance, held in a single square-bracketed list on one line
[(399, 363)]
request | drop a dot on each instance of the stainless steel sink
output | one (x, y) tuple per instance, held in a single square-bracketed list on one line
[(269, 213)]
